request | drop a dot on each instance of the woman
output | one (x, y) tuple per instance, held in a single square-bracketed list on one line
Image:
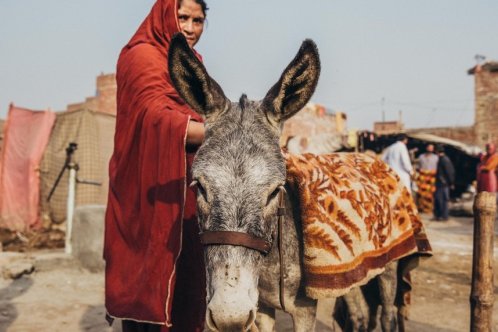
[(155, 278), (486, 170)]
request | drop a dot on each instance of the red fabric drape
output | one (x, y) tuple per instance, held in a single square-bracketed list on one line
[(150, 209), (27, 134)]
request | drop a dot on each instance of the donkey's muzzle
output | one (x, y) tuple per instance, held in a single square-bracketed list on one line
[(226, 322)]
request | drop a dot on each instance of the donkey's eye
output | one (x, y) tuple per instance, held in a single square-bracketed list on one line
[(200, 189), (273, 195)]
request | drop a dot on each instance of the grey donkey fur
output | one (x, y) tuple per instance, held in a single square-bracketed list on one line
[(239, 171)]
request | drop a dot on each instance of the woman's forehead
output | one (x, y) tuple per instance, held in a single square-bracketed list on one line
[(190, 7)]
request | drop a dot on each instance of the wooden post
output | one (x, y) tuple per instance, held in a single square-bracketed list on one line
[(482, 293)]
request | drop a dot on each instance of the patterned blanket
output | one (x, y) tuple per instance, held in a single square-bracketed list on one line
[(356, 216)]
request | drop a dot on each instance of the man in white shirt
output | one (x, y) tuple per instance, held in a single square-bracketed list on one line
[(398, 158)]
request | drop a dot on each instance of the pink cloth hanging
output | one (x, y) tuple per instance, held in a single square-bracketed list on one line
[(26, 136)]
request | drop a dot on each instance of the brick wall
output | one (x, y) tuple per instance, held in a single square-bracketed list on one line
[(486, 102), (105, 99), (106, 93)]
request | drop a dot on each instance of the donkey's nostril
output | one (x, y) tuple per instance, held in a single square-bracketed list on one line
[(251, 320), (210, 321)]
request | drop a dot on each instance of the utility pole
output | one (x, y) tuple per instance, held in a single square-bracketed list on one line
[(382, 101)]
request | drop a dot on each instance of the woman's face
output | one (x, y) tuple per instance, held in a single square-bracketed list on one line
[(191, 19)]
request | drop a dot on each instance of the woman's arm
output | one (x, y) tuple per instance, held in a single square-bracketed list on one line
[(195, 133)]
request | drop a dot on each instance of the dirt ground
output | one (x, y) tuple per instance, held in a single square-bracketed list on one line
[(58, 295)]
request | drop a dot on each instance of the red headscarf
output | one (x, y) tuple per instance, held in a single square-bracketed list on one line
[(148, 200)]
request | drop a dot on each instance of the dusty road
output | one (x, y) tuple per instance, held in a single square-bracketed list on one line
[(60, 296)]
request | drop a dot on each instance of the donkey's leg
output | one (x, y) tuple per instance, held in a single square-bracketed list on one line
[(387, 288), (358, 312), (265, 318), (303, 314)]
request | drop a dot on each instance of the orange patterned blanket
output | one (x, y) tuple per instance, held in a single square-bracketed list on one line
[(357, 217)]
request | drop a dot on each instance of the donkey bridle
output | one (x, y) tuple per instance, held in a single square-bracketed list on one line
[(253, 242)]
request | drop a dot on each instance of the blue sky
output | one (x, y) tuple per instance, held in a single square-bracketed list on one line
[(382, 56)]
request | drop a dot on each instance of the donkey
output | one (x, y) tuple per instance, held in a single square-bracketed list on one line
[(240, 175)]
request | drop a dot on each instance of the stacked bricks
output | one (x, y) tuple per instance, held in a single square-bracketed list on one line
[(486, 102), (105, 99)]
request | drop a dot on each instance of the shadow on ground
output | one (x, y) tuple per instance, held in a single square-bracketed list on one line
[(8, 310)]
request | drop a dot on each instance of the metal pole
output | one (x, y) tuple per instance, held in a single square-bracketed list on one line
[(71, 190), (70, 205), (482, 291)]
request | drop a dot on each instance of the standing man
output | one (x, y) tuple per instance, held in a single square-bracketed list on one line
[(426, 180), (486, 171), (398, 158), (445, 179)]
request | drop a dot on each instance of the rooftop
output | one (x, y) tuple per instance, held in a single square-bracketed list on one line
[(491, 66)]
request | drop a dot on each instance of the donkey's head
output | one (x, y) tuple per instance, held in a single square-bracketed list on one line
[(239, 172)]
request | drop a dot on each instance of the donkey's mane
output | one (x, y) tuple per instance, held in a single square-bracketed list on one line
[(243, 101)]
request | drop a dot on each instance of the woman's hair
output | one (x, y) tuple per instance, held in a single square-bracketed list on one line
[(202, 3)]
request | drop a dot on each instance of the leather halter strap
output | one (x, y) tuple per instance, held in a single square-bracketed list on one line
[(236, 239), (281, 214)]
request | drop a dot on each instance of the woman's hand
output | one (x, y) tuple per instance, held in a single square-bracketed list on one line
[(195, 133)]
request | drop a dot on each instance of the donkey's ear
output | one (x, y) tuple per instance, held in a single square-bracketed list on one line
[(192, 81), (296, 85)]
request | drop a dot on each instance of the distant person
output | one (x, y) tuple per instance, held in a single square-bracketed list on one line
[(426, 180), (486, 170), (397, 157), (445, 180)]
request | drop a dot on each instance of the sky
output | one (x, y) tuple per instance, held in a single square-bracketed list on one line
[(380, 59)]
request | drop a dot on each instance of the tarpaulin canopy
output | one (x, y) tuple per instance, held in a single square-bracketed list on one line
[(93, 132), (471, 150), (25, 138)]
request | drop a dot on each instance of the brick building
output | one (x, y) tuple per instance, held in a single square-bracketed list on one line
[(486, 102), (105, 98), (314, 129)]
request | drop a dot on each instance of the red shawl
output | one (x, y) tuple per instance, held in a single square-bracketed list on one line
[(148, 201), (486, 173)]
